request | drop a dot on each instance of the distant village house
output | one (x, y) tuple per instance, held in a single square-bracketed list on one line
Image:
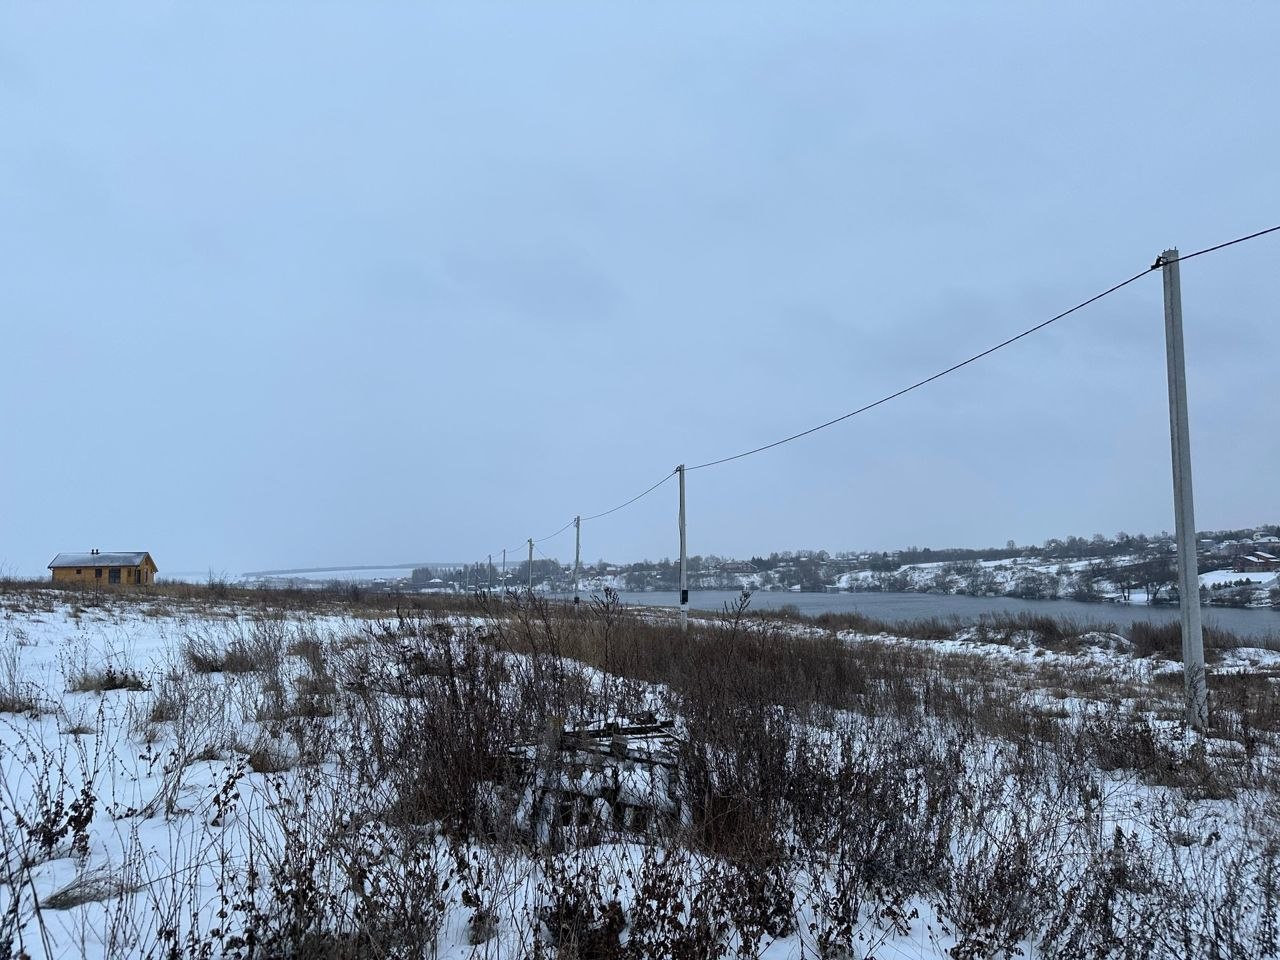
[(96, 567), (1257, 562)]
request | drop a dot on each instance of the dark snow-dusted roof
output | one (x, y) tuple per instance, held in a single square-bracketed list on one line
[(98, 559)]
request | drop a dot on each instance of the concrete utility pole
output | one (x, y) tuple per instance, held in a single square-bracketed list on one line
[(577, 555), (530, 570), (684, 562), (1184, 509)]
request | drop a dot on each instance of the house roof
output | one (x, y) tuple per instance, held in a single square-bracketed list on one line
[(1259, 557), (99, 559)]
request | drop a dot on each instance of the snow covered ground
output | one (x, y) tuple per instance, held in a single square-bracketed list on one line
[(1029, 577), (1218, 577), (111, 787), (147, 772)]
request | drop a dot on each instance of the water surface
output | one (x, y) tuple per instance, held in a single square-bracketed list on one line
[(914, 606)]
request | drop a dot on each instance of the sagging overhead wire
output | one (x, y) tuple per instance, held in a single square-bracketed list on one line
[(927, 380), (1220, 246), (551, 536), (514, 551), (638, 496), (597, 516), (978, 356)]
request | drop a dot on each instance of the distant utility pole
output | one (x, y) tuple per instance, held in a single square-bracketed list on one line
[(491, 573), (684, 564), (530, 570), (1185, 521), (504, 569), (577, 555)]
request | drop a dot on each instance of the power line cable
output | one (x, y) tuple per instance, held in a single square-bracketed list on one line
[(1220, 246), (985, 353), (927, 380), (638, 496), (597, 516), (551, 536)]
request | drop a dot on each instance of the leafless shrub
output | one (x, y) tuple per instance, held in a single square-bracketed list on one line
[(50, 817), (1132, 744), (437, 738), (580, 918), (1164, 640), (167, 702), (206, 653), (17, 695), (310, 649), (272, 701), (336, 887)]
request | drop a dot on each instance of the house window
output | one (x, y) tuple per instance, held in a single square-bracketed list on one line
[(113, 575), (98, 573), (77, 571)]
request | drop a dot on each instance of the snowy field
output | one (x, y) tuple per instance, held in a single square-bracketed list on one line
[(218, 777)]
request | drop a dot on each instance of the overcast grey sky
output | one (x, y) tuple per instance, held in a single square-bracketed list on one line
[(301, 284)]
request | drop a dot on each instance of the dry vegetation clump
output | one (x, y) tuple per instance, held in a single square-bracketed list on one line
[(167, 701), (925, 628), (237, 650), (1248, 710), (18, 699), (1058, 634), (267, 755), (1164, 641), (309, 646), (16, 694), (89, 887), (108, 677)]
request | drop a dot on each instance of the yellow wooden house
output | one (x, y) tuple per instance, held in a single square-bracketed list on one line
[(99, 569)]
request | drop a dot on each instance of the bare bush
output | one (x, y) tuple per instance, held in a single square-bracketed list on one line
[(108, 677), (259, 649), (17, 695)]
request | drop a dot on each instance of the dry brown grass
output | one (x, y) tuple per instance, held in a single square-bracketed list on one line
[(107, 678), (267, 756)]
